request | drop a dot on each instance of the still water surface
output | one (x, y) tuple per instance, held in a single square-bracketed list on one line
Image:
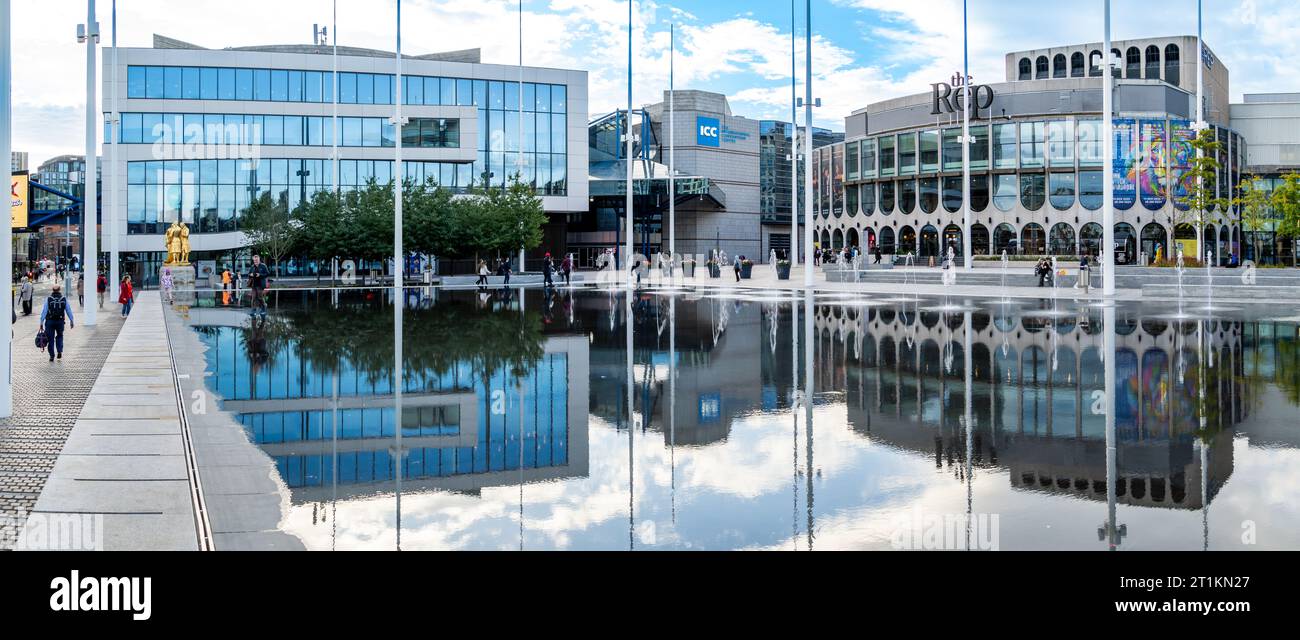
[(934, 423)]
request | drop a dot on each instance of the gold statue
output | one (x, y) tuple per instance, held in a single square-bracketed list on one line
[(177, 241)]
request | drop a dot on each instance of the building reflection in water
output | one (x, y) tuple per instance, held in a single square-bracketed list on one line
[(502, 390), (490, 397)]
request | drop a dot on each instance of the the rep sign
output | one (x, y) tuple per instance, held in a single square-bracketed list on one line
[(708, 132)]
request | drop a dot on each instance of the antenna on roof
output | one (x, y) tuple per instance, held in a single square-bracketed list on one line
[(320, 35)]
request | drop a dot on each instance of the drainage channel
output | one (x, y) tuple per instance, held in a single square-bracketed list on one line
[(203, 528)]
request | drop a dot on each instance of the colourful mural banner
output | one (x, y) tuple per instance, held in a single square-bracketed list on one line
[(1124, 169), (1181, 154), (1154, 167), (817, 179)]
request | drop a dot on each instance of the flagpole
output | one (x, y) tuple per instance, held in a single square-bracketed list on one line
[(672, 146), (967, 250), (794, 144), (399, 281)]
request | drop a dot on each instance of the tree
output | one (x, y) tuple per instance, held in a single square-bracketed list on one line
[(1255, 204), (1201, 197), (1286, 205), (429, 217), (325, 231), (269, 229), (514, 216)]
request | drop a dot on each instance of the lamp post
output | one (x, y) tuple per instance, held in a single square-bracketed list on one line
[(794, 145), (6, 240), (114, 226), (808, 147), (519, 166), (90, 205), (1108, 165), (967, 251), (627, 131), (1201, 125), (398, 279), (672, 148)]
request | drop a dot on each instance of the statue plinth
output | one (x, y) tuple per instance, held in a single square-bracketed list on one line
[(183, 276)]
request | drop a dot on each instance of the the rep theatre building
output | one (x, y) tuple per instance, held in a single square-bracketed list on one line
[(1036, 161)]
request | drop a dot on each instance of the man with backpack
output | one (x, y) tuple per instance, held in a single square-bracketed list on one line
[(101, 288), (56, 311)]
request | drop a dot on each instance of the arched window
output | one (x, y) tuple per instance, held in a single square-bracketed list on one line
[(1004, 192), (887, 241), (851, 238), (1004, 239), (1058, 66), (1172, 62), (886, 198), (1061, 187), (1155, 241), (979, 193), (952, 194), (1133, 63), (929, 242), (1033, 239), (1076, 65), (1211, 244), (1026, 69), (1090, 237), (1061, 242), (869, 199), (1125, 244), (906, 196), (837, 240), (929, 194), (1116, 63), (1095, 63), (907, 240), (851, 200), (1033, 190), (979, 240), (1153, 63), (1040, 68)]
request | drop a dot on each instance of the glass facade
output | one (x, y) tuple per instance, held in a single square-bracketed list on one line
[(211, 194), (273, 130)]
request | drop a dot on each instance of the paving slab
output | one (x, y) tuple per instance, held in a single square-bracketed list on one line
[(125, 455)]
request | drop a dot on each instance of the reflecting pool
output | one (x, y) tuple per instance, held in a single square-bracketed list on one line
[(764, 420)]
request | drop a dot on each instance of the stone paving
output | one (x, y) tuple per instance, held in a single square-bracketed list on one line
[(47, 399)]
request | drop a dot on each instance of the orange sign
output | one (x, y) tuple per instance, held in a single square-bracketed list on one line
[(19, 193)]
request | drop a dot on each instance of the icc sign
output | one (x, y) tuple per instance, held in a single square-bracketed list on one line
[(708, 132), (948, 98)]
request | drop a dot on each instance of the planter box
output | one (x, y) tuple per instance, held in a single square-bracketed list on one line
[(688, 269), (746, 271), (782, 272)]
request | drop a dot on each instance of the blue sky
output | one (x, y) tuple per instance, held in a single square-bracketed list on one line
[(864, 50)]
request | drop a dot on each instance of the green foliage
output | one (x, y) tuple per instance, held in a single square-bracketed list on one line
[(1201, 197), (269, 228), (359, 223), (1286, 204), (1255, 203)]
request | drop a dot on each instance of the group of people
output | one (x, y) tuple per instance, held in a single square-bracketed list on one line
[(549, 270), (56, 314)]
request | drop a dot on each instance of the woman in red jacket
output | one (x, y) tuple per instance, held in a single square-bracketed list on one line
[(127, 298)]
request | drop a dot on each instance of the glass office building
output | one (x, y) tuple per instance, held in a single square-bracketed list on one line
[(205, 132), (1036, 163)]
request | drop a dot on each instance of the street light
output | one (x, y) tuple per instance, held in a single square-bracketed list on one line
[(89, 34), (6, 241)]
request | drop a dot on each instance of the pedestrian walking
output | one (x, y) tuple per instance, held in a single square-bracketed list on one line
[(736, 267), (548, 270), (25, 295), (167, 283), (259, 276), (504, 269), (127, 296), (482, 274), (566, 268), (53, 317), (101, 288), (81, 290)]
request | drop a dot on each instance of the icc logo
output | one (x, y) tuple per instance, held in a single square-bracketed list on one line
[(708, 132)]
